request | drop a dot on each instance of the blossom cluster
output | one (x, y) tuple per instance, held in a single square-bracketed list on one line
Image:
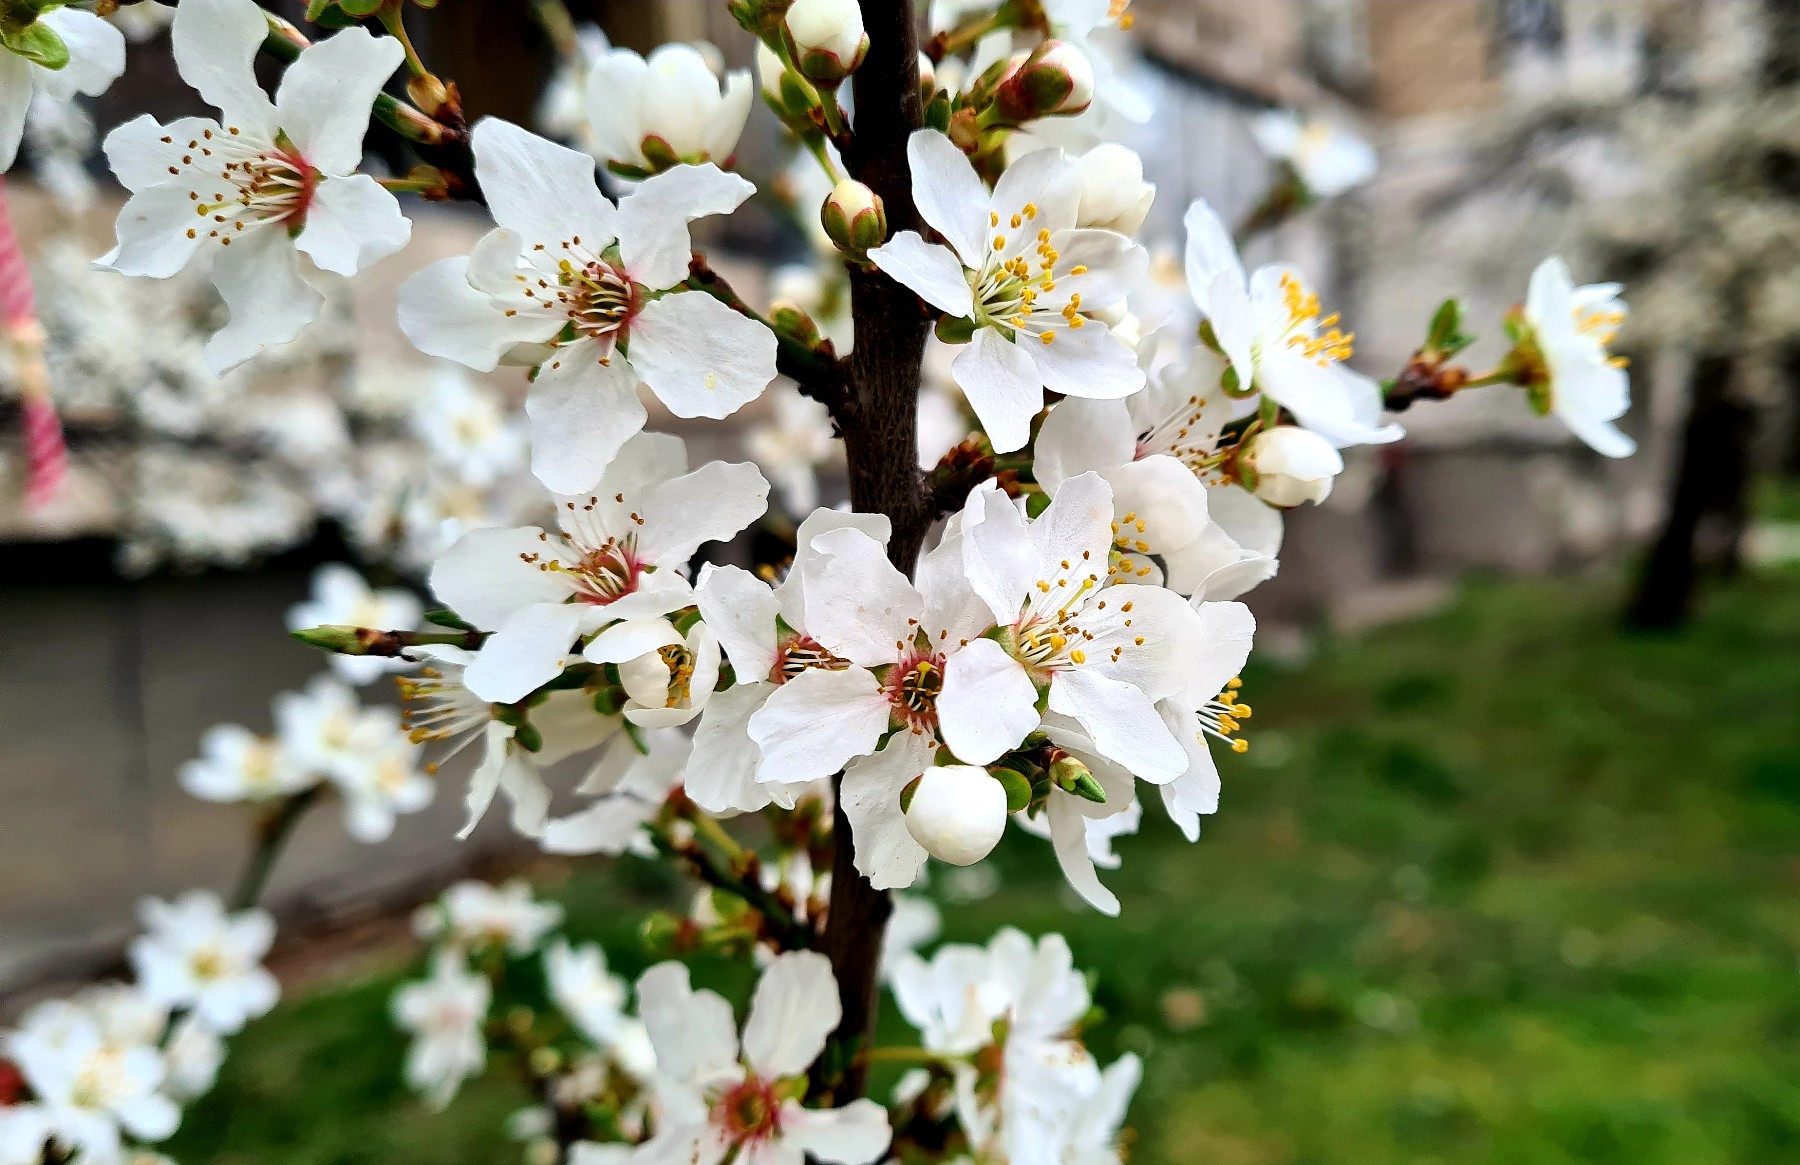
[(106, 1072), (1107, 469)]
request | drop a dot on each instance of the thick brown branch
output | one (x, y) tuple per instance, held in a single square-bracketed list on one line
[(881, 443)]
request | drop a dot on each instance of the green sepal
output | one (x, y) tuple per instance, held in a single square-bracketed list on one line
[(1016, 784), (955, 330), (686, 620), (445, 617), (937, 113), (1036, 503), (609, 700), (38, 43), (637, 737), (906, 794), (527, 737)]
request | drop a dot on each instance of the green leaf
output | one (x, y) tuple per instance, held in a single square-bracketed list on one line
[(38, 43), (1444, 324), (445, 617)]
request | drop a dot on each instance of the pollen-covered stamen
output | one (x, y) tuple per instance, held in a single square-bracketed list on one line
[(1187, 434), (438, 708), (1048, 637), (798, 653), (1301, 329), (913, 686), (591, 292), (1602, 326), (237, 184), (1223, 717), (1016, 286), (680, 662), (748, 1112)]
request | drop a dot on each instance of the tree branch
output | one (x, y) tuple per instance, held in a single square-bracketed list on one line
[(880, 420)]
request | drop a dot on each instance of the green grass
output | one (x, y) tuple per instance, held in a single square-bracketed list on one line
[(1501, 887)]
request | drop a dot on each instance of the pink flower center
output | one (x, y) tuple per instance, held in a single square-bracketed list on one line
[(912, 689), (748, 1112), (236, 185)]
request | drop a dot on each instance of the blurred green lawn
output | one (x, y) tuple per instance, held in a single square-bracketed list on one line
[(1501, 886)]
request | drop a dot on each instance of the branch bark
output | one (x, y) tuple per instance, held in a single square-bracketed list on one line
[(881, 379)]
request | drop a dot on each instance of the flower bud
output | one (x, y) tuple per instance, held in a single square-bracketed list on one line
[(1056, 79), (958, 813), (1071, 776), (854, 217), (827, 38), (1114, 195), (769, 70), (1288, 465), (927, 76)]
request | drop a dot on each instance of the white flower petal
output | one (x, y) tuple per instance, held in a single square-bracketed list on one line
[(858, 605), (630, 638), (1121, 720), (216, 43), (721, 772), (325, 96), (653, 219), (1210, 251), (486, 576), (811, 725), (711, 504), (1002, 385), (444, 315), (1227, 632), (96, 54), (545, 192), (999, 556), (794, 1009), (885, 850), (258, 277), (1046, 179), (1081, 435), (741, 609), (988, 704), (1089, 362), (152, 232), (693, 1032), (1068, 835), (948, 192), (1076, 526), (855, 1134), (352, 223), (15, 99), (582, 412), (700, 357), (528, 651), (931, 272)]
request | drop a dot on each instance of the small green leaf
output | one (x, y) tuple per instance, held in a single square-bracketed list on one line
[(955, 330), (445, 617), (1444, 324), (1036, 503)]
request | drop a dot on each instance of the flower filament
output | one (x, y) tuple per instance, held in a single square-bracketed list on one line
[(239, 184), (1223, 717)]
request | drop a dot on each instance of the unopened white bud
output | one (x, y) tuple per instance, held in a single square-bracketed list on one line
[(853, 217), (958, 813), (827, 37), (927, 74), (1114, 195), (1288, 465)]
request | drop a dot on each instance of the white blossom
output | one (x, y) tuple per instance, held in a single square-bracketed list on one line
[(444, 1014), (90, 1089), (672, 107), (235, 764), (1288, 465), (722, 1098), (1023, 276), (1106, 650), (264, 183), (544, 288), (592, 998), (1236, 547), (668, 676), (96, 58), (1329, 159), (620, 556), (1268, 326), (474, 916), (468, 428), (1583, 385), (378, 776), (193, 955)]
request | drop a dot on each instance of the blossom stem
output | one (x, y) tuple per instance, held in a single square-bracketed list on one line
[(781, 925), (708, 827), (817, 146), (393, 18), (273, 831), (945, 44), (834, 121), (411, 185), (554, 18), (346, 640), (903, 1055)]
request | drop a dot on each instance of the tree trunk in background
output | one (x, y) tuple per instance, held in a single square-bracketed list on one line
[(1711, 481), (1790, 379)]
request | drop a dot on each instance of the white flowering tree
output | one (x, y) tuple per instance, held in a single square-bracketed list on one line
[(1033, 626)]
